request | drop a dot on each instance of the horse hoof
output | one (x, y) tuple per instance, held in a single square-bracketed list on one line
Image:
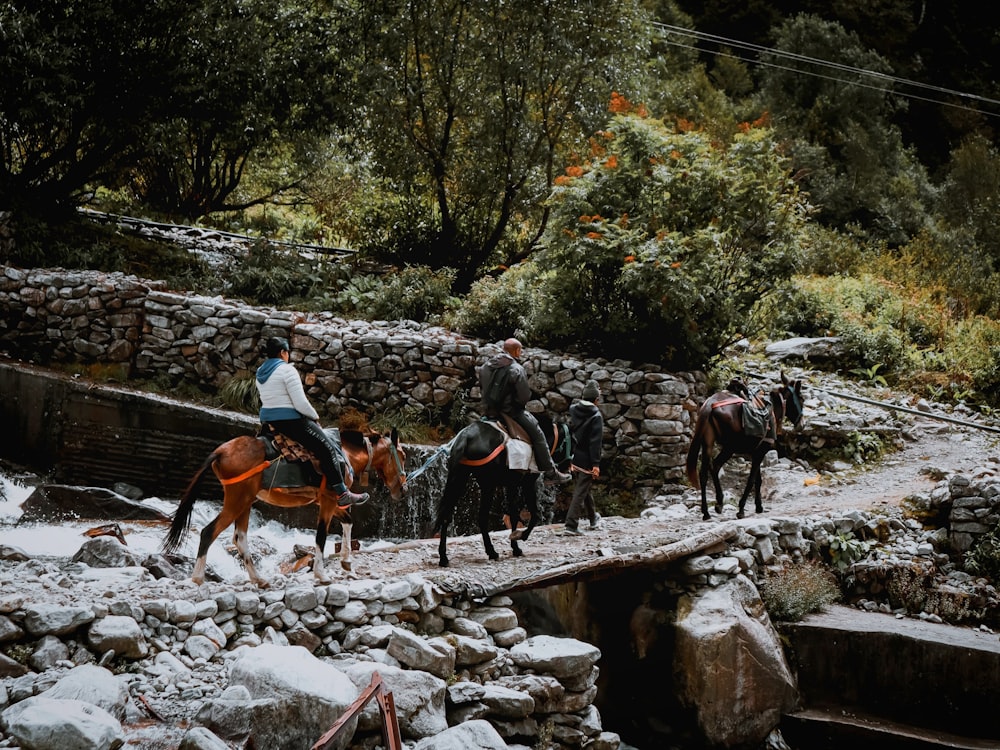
[(518, 552), (346, 566), (739, 514), (705, 517), (442, 563), (494, 556), (516, 534)]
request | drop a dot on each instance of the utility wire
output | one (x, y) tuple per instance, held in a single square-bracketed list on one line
[(669, 30)]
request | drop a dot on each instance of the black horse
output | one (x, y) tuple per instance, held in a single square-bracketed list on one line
[(721, 421), (479, 451)]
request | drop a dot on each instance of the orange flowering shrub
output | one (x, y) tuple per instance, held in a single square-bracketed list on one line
[(684, 236), (619, 104)]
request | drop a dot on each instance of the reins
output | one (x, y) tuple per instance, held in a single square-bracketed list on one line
[(259, 468)]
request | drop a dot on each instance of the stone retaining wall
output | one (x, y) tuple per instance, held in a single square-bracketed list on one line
[(53, 316)]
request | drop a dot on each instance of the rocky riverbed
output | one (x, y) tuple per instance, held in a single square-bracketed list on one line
[(927, 452)]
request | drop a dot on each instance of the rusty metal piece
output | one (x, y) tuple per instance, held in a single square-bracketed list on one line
[(108, 529), (387, 707), (152, 711), (297, 564)]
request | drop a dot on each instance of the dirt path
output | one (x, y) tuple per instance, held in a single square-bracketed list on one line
[(931, 449), (934, 449)]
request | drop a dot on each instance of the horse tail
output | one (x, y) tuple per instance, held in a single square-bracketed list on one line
[(697, 443), (182, 516)]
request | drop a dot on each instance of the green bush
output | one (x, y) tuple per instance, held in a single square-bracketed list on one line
[(412, 293), (240, 393), (662, 243), (271, 275), (983, 559), (496, 308), (796, 590)]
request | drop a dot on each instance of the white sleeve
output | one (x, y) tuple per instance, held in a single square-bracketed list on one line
[(293, 385)]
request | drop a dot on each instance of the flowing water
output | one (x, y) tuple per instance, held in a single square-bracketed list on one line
[(271, 540)]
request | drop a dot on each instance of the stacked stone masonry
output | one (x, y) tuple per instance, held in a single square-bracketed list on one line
[(53, 316)]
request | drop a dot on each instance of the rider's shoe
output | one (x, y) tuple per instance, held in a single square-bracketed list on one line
[(352, 498), (554, 476)]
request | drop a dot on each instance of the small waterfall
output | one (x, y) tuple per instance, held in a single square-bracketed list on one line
[(412, 517)]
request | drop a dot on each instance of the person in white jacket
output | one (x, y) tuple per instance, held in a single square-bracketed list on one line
[(285, 409)]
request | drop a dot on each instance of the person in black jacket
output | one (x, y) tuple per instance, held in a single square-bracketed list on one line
[(586, 425), (504, 386)]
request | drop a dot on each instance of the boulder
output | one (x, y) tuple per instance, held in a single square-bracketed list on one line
[(729, 666)]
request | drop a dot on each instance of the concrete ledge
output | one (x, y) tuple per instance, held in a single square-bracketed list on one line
[(936, 677)]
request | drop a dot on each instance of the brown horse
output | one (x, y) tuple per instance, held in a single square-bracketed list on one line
[(240, 465), (720, 421)]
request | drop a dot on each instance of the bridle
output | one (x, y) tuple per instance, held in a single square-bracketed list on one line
[(397, 462)]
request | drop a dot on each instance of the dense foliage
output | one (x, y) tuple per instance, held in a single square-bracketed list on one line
[(479, 148), (663, 241)]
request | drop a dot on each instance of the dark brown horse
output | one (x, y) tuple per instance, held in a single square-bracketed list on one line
[(720, 422), (241, 465), (480, 451)]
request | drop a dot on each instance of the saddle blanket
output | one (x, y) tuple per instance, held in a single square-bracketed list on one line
[(296, 466), (520, 456)]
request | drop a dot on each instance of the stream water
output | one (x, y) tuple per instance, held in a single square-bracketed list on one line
[(271, 539)]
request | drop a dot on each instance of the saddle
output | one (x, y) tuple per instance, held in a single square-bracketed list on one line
[(758, 417), (294, 465)]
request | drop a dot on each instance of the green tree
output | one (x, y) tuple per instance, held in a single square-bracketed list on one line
[(663, 243), (970, 195), (258, 84), (168, 98), (81, 83), (466, 107), (836, 123)]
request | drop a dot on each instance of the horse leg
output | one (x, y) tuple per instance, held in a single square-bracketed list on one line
[(514, 514), (759, 504), (240, 540), (209, 534), (487, 491), (345, 545), (753, 482), (443, 547), (530, 496), (724, 455), (458, 477), (327, 504), (706, 461)]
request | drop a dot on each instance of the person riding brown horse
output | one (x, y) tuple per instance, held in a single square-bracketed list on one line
[(284, 409)]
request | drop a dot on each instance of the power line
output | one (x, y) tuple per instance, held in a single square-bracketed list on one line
[(668, 30)]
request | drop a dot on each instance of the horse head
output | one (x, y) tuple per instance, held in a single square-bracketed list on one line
[(388, 461), (791, 399)]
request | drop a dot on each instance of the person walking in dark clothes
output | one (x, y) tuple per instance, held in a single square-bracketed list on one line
[(586, 425), (286, 410), (505, 389)]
